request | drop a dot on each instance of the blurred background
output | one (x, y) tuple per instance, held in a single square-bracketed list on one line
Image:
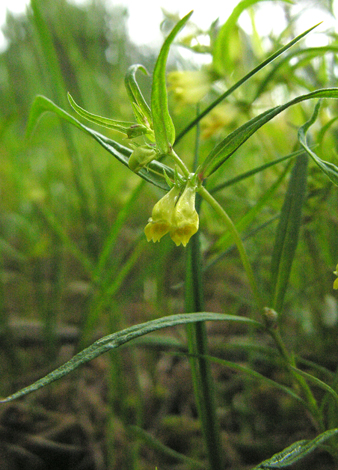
[(74, 262)]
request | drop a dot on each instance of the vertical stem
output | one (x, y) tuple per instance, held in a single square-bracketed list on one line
[(238, 241), (289, 361), (198, 345), (198, 348)]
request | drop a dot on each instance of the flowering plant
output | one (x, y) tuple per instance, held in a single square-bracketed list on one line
[(152, 140)]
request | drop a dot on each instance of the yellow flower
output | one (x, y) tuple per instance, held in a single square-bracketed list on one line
[(161, 220), (185, 220), (216, 120), (174, 214), (335, 284), (189, 87)]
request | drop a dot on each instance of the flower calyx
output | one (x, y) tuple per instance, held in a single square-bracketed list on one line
[(141, 156)]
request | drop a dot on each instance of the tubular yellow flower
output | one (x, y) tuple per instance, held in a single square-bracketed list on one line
[(335, 284), (161, 220), (185, 220)]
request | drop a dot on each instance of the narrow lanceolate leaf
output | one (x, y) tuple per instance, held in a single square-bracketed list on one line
[(121, 126), (297, 451), (287, 233), (134, 92), (163, 126), (328, 168), (155, 173), (115, 340), (235, 139), (223, 41), (244, 79)]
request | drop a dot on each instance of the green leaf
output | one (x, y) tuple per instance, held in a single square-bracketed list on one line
[(309, 52), (225, 241), (163, 126), (287, 233), (155, 171), (328, 168), (115, 340), (240, 82), (165, 450), (318, 382), (135, 94), (297, 451), (121, 126), (256, 375), (222, 44), (235, 139), (254, 171)]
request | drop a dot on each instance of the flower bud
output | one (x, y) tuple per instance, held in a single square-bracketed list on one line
[(140, 157)]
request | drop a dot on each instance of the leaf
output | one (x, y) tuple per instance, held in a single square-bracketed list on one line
[(328, 168), (252, 172), (287, 233), (157, 445), (134, 92), (235, 139), (297, 451), (256, 375), (225, 241), (240, 82), (221, 47), (121, 126), (113, 341), (310, 53), (163, 126), (317, 382), (155, 171)]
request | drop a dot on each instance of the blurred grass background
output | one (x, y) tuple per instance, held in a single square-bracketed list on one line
[(75, 264)]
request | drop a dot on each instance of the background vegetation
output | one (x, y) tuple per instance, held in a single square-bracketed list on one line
[(75, 264)]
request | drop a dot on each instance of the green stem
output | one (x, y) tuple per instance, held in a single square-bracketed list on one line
[(238, 241), (288, 359), (180, 163), (198, 349)]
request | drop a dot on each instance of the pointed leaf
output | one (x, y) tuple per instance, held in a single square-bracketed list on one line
[(235, 139), (295, 452), (287, 233), (240, 82), (121, 126), (155, 171), (134, 92), (223, 40), (113, 341), (328, 168), (163, 126)]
